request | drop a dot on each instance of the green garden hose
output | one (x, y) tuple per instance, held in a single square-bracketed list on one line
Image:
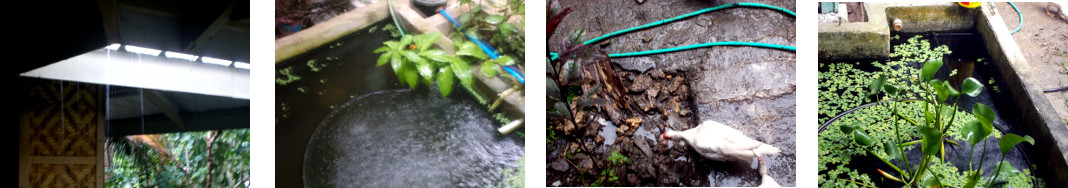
[(669, 20), (681, 48), (553, 55), (1018, 13), (394, 16)]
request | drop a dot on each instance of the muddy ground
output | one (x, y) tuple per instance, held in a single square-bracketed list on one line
[(751, 89), (1044, 42)]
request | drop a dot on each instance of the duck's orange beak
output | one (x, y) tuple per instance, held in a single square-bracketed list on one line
[(666, 136)]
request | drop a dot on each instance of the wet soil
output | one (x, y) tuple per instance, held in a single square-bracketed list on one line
[(751, 89), (1044, 42)]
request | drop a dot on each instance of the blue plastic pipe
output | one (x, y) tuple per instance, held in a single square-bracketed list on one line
[(486, 48)]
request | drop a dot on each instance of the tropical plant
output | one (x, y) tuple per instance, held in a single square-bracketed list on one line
[(412, 57), (507, 38), (879, 131), (188, 159)]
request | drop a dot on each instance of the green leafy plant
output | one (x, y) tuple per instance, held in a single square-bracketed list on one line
[(507, 37), (188, 159), (413, 57), (888, 129)]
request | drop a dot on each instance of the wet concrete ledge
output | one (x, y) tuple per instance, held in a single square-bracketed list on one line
[(1049, 149), (871, 40)]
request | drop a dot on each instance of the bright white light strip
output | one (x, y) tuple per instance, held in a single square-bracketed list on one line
[(242, 65), (222, 62), (114, 46), (142, 50), (180, 56)]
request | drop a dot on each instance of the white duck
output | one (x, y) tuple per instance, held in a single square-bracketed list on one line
[(766, 180), (719, 142)]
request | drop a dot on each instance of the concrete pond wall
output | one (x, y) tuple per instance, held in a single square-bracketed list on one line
[(870, 40), (361, 18)]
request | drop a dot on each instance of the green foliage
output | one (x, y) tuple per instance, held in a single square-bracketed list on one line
[(617, 158), (843, 87), (134, 164), (413, 57), (287, 76), (505, 36)]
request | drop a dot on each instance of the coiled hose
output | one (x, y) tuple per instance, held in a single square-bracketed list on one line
[(554, 56)]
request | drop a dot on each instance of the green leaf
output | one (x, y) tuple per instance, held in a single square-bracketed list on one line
[(940, 89), (445, 79), (932, 140), (410, 76), (929, 70), (382, 49), (426, 70), (413, 57), (576, 36), (891, 89), (425, 41), (972, 87), (862, 138), (396, 46), (396, 62), (950, 90), (975, 132), (494, 19), (876, 85), (507, 29), (929, 116), (436, 55), (405, 40), (972, 180), (462, 71), (471, 49), (931, 180), (1006, 170), (489, 69), (504, 60), (984, 114), (1010, 140), (891, 149), (848, 129), (384, 58)]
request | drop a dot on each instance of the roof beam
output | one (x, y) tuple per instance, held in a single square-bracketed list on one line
[(235, 118), (165, 106), (219, 22)]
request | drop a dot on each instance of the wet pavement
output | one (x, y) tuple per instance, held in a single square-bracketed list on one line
[(750, 89)]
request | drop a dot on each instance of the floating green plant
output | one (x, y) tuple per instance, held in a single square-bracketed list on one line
[(287, 76), (916, 109)]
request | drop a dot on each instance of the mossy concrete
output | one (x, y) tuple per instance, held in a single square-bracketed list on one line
[(871, 40), (857, 40), (1049, 149)]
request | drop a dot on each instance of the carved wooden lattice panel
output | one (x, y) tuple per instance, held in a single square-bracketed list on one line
[(61, 125)]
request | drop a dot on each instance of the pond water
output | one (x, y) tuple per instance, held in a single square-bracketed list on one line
[(967, 48), (420, 138), (409, 139)]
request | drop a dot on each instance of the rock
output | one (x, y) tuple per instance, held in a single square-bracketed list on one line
[(646, 39), (585, 164), (653, 91), (656, 73), (599, 139), (633, 179), (556, 183), (641, 83), (622, 129), (559, 165), (641, 1), (634, 122), (641, 143)]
